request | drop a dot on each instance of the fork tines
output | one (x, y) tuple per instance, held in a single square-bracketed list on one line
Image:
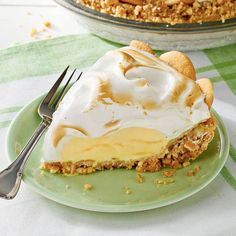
[(53, 98), (61, 94)]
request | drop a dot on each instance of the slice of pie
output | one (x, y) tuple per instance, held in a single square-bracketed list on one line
[(131, 109)]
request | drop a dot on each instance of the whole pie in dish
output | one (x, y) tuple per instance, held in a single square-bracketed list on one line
[(166, 11), (131, 109)]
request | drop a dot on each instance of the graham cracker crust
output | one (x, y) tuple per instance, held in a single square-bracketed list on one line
[(178, 153)]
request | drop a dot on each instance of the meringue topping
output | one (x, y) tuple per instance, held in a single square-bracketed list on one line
[(129, 104)]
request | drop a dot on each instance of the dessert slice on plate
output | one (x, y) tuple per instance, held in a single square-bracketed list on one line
[(131, 109)]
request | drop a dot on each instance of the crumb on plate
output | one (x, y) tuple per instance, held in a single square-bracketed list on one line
[(190, 173), (88, 186), (128, 191), (169, 173), (164, 181), (139, 178), (197, 168)]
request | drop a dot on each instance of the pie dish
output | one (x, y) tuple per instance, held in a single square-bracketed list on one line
[(166, 11), (161, 36), (131, 109)]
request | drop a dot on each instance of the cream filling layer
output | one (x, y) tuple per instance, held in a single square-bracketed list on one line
[(123, 144)]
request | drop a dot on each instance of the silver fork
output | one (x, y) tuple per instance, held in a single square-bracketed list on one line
[(10, 178)]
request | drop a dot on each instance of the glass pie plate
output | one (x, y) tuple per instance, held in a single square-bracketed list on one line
[(160, 36)]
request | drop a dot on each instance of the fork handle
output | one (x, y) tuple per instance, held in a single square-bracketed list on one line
[(10, 178)]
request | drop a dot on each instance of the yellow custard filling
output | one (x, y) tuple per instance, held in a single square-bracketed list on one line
[(123, 144)]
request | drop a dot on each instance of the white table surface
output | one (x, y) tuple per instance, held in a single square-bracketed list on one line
[(19, 17), (31, 214)]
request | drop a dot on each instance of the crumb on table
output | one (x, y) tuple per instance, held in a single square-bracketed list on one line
[(88, 186), (33, 32), (47, 24)]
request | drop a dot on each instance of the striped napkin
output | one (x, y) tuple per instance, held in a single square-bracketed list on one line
[(27, 71)]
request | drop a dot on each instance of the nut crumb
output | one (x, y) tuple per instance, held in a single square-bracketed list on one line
[(88, 186), (33, 33), (164, 181), (168, 173), (189, 145), (197, 168), (128, 191), (186, 163), (47, 24), (139, 178), (190, 173), (42, 173)]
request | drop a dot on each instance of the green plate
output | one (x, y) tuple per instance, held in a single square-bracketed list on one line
[(108, 193)]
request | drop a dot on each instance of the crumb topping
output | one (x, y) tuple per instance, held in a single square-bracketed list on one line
[(166, 11)]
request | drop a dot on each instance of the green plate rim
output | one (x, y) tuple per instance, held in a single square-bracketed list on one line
[(224, 151)]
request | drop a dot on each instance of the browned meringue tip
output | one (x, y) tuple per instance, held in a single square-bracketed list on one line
[(141, 46), (207, 88), (180, 62)]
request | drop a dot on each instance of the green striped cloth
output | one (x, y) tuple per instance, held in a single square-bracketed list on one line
[(29, 70)]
